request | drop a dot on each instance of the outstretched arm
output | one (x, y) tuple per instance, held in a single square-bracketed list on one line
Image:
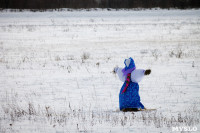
[(138, 74), (119, 72)]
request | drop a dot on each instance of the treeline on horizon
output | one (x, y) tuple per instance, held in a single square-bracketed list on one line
[(116, 4)]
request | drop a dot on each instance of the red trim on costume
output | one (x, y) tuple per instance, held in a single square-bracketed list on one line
[(128, 79)]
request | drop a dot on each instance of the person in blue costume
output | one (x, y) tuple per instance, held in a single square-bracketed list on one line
[(129, 99)]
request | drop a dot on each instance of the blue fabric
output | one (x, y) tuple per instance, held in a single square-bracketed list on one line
[(130, 98), (131, 65)]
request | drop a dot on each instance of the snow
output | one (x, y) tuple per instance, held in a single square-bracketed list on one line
[(56, 70)]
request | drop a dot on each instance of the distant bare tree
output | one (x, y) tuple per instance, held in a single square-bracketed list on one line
[(52, 4)]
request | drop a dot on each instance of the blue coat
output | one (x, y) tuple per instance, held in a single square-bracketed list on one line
[(130, 98)]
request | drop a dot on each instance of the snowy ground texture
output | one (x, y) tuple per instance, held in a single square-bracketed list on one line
[(56, 70)]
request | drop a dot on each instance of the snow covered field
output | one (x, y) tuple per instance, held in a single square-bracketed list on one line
[(56, 70)]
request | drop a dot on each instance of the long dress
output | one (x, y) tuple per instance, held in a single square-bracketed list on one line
[(130, 98)]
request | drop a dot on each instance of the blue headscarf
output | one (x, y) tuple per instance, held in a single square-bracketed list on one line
[(128, 69)]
